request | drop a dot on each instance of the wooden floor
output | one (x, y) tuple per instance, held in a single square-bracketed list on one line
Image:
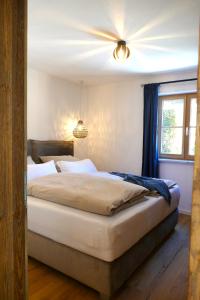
[(163, 276)]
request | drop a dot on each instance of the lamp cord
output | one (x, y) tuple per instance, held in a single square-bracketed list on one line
[(81, 98)]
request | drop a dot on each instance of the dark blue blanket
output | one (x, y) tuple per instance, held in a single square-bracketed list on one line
[(147, 182)]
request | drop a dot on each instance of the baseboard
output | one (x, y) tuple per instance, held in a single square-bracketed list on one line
[(185, 212)]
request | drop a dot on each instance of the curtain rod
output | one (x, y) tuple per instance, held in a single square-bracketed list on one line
[(173, 81)]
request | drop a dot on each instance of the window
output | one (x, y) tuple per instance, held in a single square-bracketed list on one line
[(177, 126)]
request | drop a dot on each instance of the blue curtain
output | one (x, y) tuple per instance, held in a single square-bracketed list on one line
[(150, 120)]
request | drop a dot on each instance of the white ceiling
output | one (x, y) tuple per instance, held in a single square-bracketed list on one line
[(75, 39)]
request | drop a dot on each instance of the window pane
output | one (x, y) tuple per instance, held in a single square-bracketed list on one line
[(193, 112), (192, 135), (171, 140), (172, 112)]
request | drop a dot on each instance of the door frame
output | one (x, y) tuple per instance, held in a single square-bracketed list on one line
[(194, 268), (13, 66)]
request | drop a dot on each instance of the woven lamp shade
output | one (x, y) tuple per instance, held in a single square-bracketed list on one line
[(80, 131)]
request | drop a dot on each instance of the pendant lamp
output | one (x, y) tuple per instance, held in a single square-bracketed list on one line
[(80, 131)]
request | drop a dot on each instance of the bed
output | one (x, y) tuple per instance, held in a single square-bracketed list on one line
[(99, 251)]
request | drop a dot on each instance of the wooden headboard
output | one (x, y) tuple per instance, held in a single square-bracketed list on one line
[(48, 148)]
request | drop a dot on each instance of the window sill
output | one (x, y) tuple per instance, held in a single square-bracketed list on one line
[(176, 161)]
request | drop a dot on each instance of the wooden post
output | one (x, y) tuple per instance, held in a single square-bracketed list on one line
[(194, 279), (12, 149)]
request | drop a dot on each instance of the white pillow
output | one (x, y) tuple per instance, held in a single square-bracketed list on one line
[(39, 170), (81, 166), (30, 160), (58, 158)]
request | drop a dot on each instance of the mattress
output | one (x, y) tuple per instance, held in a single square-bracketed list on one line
[(103, 237)]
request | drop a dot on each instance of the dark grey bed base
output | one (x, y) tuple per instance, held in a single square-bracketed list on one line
[(105, 277)]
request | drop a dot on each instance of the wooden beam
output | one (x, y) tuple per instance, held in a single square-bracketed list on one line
[(12, 149), (194, 284)]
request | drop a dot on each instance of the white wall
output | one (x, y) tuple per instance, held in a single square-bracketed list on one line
[(52, 103), (53, 107), (115, 126), (183, 174), (115, 123)]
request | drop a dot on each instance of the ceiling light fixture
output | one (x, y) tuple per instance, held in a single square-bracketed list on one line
[(121, 52)]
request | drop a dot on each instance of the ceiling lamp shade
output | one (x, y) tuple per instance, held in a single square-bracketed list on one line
[(80, 131), (121, 52)]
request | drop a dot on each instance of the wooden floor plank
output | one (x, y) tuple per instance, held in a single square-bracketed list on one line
[(164, 275)]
